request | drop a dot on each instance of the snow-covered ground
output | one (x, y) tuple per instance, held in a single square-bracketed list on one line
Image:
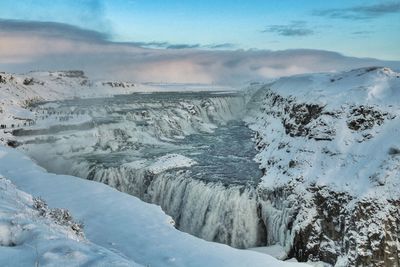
[(30, 235), (120, 229)]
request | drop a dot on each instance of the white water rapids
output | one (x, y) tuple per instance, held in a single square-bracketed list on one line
[(216, 199)]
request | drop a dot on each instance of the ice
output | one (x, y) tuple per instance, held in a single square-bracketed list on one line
[(170, 161)]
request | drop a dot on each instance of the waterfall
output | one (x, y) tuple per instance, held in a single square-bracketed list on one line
[(235, 214)]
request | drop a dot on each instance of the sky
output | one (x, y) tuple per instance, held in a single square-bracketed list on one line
[(43, 32)]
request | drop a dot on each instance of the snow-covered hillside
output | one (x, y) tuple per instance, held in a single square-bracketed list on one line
[(31, 234), (329, 144), (349, 120)]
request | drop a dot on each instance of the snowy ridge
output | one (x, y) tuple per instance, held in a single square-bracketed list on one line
[(333, 129), (329, 145)]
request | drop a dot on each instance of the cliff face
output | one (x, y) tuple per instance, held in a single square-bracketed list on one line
[(329, 148)]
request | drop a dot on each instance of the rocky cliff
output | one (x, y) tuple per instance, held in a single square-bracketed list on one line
[(329, 148)]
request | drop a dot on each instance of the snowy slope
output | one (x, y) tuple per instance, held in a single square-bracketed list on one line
[(117, 222), (29, 235), (350, 122), (329, 144)]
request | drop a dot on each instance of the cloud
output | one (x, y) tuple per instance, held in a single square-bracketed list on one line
[(90, 14), (56, 46), (360, 12), (61, 30), (167, 45), (362, 32), (51, 29), (221, 46), (150, 44), (183, 46), (295, 28)]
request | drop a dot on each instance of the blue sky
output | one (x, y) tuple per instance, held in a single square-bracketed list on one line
[(352, 27), (203, 41)]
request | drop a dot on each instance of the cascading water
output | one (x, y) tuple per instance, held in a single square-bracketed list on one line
[(117, 141)]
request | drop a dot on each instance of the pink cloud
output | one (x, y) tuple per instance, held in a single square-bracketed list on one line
[(64, 47)]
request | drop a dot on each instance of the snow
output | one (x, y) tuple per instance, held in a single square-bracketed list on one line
[(276, 251), (137, 164), (162, 164), (170, 161), (331, 136), (28, 239), (348, 161), (124, 229)]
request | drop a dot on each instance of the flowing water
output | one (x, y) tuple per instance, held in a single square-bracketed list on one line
[(98, 139)]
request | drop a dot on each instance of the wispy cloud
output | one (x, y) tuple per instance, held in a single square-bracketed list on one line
[(183, 46), (51, 29), (89, 14), (57, 30), (362, 32), (295, 28), (168, 45), (361, 12), (57, 46), (221, 46)]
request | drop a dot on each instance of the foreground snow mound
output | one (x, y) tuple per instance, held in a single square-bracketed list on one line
[(30, 235), (115, 222), (329, 146)]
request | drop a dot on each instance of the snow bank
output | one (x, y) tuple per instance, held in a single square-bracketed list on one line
[(29, 238)]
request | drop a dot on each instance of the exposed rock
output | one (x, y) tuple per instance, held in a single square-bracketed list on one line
[(28, 81), (304, 142), (363, 118)]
